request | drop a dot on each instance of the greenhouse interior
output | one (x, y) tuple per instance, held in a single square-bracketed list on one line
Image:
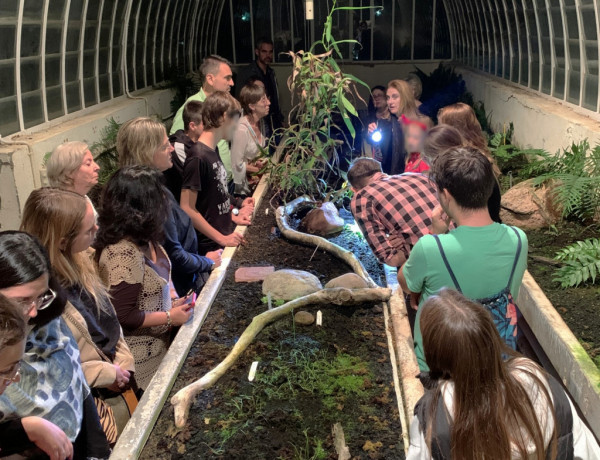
[(299, 229)]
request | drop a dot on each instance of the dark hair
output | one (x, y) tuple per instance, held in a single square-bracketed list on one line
[(12, 323), (440, 139), (467, 174), (263, 41), (211, 65), (192, 112), (492, 410), (24, 259), (371, 107), (134, 207), (250, 93), (216, 106), (361, 170)]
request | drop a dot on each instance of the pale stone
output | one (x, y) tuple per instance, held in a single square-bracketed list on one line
[(252, 274), (348, 281), (290, 284), (304, 318)]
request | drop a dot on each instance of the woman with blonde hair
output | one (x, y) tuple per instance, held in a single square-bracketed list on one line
[(248, 139), (143, 141), (65, 224), (71, 166), (402, 104), (482, 405)]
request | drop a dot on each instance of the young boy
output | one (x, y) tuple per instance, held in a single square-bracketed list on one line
[(204, 195), (183, 142)]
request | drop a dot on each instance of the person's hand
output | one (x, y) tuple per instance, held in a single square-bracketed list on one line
[(414, 300), (181, 313), (440, 221), (232, 240), (48, 437), (179, 301), (242, 219), (248, 202), (121, 379), (372, 127), (215, 256)]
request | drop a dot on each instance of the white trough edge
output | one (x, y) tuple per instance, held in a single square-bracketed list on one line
[(575, 367), (404, 350), (138, 429)]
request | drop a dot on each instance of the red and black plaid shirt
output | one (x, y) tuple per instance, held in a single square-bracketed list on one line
[(394, 206)]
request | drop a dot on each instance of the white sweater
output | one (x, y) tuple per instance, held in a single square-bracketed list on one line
[(585, 446)]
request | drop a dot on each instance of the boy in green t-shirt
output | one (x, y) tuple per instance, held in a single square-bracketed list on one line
[(480, 252)]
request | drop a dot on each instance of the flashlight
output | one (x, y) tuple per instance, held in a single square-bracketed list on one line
[(376, 136)]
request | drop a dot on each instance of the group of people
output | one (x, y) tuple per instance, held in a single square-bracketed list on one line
[(427, 200), (91, 299)]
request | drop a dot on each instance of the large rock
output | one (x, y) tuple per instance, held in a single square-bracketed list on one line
[(324, 220), (530, 208), (290, 284), (348, 281)]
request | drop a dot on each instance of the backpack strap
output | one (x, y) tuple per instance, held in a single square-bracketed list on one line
[(443, 254), (564, 421), (517, 255)]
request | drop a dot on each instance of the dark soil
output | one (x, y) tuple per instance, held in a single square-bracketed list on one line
[(308, 378), (580, 306)]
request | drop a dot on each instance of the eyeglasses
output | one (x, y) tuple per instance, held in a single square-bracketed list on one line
[(40, 303), (12, 375)]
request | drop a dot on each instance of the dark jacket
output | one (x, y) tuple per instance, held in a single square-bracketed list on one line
[(174, 176), (253, 70), (182, 248)]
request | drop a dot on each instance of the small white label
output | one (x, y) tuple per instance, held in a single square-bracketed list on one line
[(252, 372), (310, 12), (269, 304), (267, 212), (319, 318)]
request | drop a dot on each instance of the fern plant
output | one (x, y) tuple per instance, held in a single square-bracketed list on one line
[(582, 263), (575, 172)]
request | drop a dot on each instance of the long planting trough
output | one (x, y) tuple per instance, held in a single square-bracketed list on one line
[(566, 355)]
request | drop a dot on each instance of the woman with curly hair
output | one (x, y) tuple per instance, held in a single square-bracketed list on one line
[(136, 268)]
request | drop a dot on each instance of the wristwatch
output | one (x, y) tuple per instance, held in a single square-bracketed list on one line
[(235, 211)]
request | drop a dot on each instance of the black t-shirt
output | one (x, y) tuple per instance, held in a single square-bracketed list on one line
[(205, 173)]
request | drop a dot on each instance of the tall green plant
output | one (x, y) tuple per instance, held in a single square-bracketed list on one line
[(322, 97), (575, 173), (582, 263)]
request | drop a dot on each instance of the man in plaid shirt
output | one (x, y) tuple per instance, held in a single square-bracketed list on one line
[(393, 212)]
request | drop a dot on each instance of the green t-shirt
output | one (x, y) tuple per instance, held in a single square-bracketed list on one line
[(223, 145), (481, 259)]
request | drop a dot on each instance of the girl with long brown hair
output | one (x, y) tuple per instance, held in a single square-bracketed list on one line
[(65, 224), (482, 406)]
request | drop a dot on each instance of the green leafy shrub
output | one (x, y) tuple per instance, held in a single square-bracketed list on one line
[(582, 263), (509, 157), (576, 173)]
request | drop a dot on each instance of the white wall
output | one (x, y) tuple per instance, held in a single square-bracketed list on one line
[(539, 121), (21, 167)]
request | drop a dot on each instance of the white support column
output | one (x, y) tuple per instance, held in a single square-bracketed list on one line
[(63, 47), (18, 65), (43, 59), (97, 52), (80, 53)]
